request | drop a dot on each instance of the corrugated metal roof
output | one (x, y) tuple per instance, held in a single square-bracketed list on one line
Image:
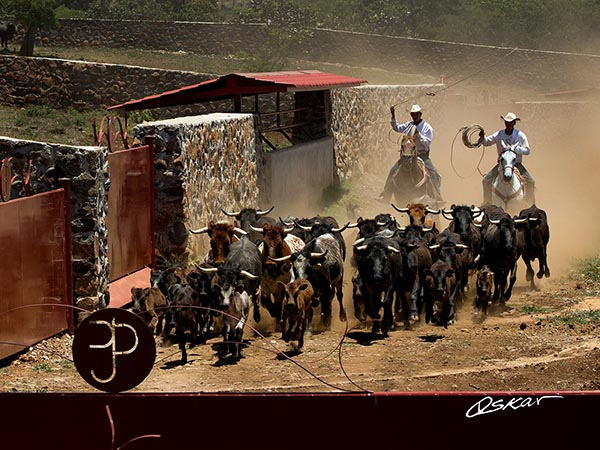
[(243, 84)]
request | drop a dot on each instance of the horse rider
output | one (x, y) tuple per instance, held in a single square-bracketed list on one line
[(508, 139), (423, 133)]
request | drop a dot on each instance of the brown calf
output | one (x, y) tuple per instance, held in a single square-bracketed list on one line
[(297, 311), (484, 290), (150, 304)]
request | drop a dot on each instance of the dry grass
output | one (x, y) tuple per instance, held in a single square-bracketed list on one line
[(213, 64), (44, 124)]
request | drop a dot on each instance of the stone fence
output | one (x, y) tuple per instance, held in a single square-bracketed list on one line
[(202, 164), (87, 170), (537, 69), (84, 85)]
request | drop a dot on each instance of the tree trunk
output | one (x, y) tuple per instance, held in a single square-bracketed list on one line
[(28, 42)]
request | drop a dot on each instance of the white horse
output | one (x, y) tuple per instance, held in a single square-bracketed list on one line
[(508, 188)]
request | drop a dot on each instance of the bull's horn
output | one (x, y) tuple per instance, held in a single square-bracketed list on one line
[(286, 223), (475, 208), (519, 220), (318, 254), (247, 274), (358, 241), (260, 230), (495, 221), (534, 219), (381, 224), (282, 259), (434, 246), (462, 246), (230, 214), (208, 269), (240, 231), (478, 225), (199, 230), (288, 229), (362, 247), (303, 227), (427, 229), (264, 213), (393, 249), (402, 210), (352, 225), (340, 229), (432, 211), (447, 213)]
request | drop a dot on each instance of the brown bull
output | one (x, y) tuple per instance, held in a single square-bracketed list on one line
[(222, 234), (275, 245), (417, 214)]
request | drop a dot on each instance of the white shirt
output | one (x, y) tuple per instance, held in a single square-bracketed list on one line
[(517, 140), (425, 133)]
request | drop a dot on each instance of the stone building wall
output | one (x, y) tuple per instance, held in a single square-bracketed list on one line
[(87, 170), (202, 164)]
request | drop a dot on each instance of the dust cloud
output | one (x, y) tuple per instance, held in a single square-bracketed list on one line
[(564, 162)]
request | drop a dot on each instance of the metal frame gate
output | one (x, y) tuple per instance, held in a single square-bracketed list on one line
[(36, 294), (130, 220)]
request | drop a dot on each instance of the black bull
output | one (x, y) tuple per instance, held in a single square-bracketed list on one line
[(376, 272), (500, 254)]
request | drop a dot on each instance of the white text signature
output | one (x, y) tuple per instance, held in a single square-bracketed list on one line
[(488, 405)]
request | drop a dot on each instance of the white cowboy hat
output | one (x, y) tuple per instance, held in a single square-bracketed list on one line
[(509, 117), (415, 109)]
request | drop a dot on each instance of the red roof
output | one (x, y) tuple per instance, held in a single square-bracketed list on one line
[(243, 84)]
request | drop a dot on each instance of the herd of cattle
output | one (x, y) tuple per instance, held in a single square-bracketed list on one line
[(290, 266)]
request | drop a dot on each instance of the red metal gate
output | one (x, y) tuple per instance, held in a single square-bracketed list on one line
[(35, 263), (130, 220)]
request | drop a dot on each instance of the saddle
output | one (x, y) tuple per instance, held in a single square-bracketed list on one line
[(422, 167)]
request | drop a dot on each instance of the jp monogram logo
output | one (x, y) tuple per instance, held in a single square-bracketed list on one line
[(113, 350)]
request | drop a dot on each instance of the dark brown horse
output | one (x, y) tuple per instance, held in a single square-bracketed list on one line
[(412, 183)]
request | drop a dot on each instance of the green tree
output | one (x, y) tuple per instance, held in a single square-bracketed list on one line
[(288, 22), (131, 9), (32, 15)]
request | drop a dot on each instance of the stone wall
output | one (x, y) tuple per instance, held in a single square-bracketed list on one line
[(87, 170), (361, 124), (84, 85), (202, 164), (542, 70)]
